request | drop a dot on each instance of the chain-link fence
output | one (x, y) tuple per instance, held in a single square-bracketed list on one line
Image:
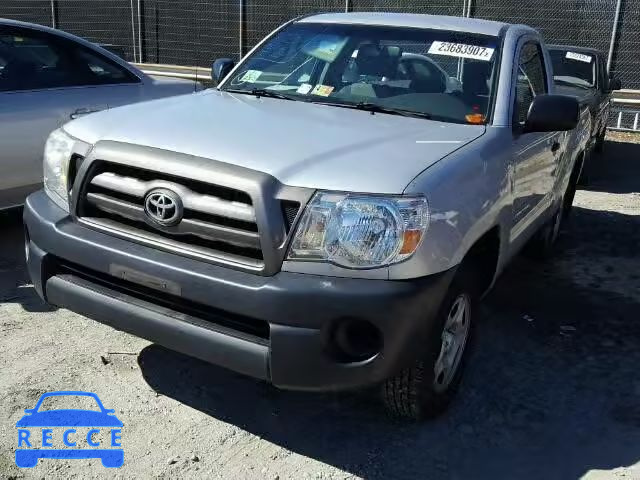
[(36, 11), (190, 32), (106, 23)]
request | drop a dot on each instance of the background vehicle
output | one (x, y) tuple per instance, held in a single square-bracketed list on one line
[(48, 77), (582, 73), (317, 221)]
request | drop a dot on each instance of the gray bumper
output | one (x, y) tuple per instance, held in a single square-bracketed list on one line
[(72, 266)]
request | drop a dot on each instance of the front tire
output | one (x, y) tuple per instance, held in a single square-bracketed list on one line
[(426, 388)]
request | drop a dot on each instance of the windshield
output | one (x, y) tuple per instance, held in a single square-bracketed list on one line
[(573, 67), (438, 74)]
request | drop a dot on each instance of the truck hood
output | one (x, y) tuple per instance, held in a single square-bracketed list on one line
[(299, 143)]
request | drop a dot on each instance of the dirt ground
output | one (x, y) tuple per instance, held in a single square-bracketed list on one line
[(552, 390)]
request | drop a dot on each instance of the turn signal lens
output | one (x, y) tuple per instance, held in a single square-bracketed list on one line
[(475, 118), (411, 240)]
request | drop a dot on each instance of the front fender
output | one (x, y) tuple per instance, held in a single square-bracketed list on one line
[(468, 193)]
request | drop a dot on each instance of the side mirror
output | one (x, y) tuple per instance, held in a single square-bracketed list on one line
[(614, 84), (552, 113), (221, 68)]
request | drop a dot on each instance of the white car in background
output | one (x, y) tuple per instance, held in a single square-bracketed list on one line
[(48, 77)]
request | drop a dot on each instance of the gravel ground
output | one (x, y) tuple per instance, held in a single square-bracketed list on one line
[(552, 390)]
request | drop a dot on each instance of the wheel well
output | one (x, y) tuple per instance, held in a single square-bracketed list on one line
[(482, 259)]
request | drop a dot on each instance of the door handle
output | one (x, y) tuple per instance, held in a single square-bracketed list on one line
[(83, 111), (555, 146)]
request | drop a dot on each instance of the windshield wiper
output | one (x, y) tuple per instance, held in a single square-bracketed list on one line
[(375, 108), (261, 92)]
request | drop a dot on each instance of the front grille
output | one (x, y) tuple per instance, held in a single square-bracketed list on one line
[(217, 221), (290, 211), (245, 327)]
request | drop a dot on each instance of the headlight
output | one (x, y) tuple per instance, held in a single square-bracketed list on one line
[(57, 153), (360, 231)]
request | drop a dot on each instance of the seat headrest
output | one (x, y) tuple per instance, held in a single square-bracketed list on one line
[(473, 74), (378, 61)]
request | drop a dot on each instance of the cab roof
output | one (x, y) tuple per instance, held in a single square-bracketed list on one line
[(414, 20)]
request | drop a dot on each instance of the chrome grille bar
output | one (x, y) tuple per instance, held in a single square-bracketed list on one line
[(187, 226), (111, 227), (191, 200)]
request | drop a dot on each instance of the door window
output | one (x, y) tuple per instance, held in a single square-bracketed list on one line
[(31, 60), (531, 79)]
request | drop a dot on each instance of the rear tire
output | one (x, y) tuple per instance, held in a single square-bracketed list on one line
[(426, 388), (599, 145), (570, 194), (542, 244)]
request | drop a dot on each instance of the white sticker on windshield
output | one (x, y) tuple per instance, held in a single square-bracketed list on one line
[(461, 50), (581, 57), (304, 88), (251, 76)]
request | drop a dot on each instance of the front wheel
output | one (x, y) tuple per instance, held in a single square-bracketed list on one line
[(426, 388)]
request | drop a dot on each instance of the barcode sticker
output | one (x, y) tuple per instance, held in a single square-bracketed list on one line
[(461, 50), (581, 57)]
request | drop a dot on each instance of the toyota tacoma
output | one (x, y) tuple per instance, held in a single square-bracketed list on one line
[(329, 215)]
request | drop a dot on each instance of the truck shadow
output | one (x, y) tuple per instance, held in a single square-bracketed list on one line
[(617, 170), (549, 392)]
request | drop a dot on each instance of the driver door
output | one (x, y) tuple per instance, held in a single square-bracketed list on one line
[(534, 154)]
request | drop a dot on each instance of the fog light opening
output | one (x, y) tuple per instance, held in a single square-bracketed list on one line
[(355, 340)]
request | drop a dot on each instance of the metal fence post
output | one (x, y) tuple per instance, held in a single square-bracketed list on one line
[(614, 33), (133, 33), (241, 28), (347, 6), (54, 14), (140, 56), (469, 6)]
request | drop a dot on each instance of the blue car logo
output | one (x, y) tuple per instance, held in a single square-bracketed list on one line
[(101, 422)]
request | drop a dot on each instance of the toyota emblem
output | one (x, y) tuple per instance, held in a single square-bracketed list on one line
[(163, 207)]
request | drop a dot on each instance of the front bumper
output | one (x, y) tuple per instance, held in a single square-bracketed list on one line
[(194, 307)]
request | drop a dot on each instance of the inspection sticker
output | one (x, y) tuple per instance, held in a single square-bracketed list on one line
[(304, 88), (251, 76), (322, 90), (581, 57), (461, 50)]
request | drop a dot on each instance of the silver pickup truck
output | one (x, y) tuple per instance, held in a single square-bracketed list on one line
[(327, 217)]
